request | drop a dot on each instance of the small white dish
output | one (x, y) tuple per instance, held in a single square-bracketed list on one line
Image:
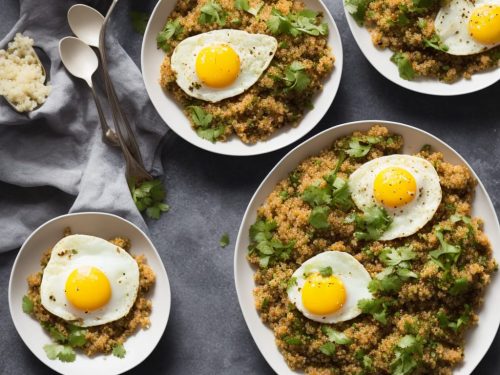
[(478, 339), (139, 345), (171, 112), (381, 61)]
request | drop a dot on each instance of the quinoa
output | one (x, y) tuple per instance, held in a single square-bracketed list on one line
[(267, 105), (104, 338), (395, 24), (418, 308)]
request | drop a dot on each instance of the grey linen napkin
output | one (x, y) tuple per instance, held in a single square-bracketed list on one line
[(53, 160)]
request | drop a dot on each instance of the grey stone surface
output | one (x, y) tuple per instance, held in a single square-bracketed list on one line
[(208, 193)]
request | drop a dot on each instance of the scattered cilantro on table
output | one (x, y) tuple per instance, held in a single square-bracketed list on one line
[(171, 31), (149, 196), (224, 240), (139, 21)]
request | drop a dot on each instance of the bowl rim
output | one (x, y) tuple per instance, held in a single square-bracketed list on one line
[(130, 365), (240, 252), (259, 148), (415, 85)]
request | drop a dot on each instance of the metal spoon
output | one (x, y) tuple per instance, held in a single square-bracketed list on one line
[(89, 25), (81, 62)]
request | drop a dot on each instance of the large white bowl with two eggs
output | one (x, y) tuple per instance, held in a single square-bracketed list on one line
[(172, 114), (478, 338)]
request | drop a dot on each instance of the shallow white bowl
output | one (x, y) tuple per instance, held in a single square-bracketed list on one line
[(381, 60), (479, 338), (171, 112), (139, 345)]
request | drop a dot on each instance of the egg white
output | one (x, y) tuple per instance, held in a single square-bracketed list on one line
[(451, 25), (255, 51), (345, 267), (411, 217), (120, 268)]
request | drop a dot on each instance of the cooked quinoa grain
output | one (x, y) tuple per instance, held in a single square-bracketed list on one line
[(421, 323), (104, 338), (268, 105)]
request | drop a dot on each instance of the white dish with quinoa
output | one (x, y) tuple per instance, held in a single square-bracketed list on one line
[(239, 116), (380, 339), (420, 61), (88, 293)]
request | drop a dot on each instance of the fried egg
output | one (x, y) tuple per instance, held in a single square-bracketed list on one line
[(221, 64), (467, 27), (406, 186), (328, 287), (89, 281)]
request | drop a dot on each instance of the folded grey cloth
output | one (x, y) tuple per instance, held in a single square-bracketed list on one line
[(53, 160)]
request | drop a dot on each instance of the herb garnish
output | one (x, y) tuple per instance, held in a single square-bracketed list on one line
[(202, 121), (334, 337), (326, 271), (371, 224), (359, 147), (62, 352), (27, 305), (212, 12), (463, 319), (149, 196), (296, 23), (397, 269), (409, 351), (436, 43), (295, 77), (63, 348), (119, 351), (171, 30), (245, 5), (404, 66), (447, 254), (224, 240), (357, 9), (268, 248), (376, 307)]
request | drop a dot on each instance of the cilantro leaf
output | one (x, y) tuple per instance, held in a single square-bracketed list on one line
[(337, 337), (357, 9), (460, 286), (295, 77), (119, 351), (212, 12), (245, 6), (27, 305), (436, 43), (409, 351), (211, 134), (319, 217), (371, 224), (394, 256), (171, 30), (200, 117), (52, 350), (77, 337), (290, 340), (341, 195), (55, 333), (446, 255), (269, 249), (316, 196), (359, 147), (326, 271), (445, 322), (404, 66), (376, 307), (148, 196), (327, 348), (139, 21), (294, 24), (224, 240), (62, 352)]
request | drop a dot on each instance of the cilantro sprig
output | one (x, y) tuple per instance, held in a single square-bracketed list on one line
[(64, 353), (212, 12), (245, 6), (409, 351), (360, 146), (447, 254), (357, 9), (295, 77), (455, 325), (203, 124), (294, 24), (149, 197), (404, 66), (266, 246), (436, 43), (378, 308), (172, 30), (119, 351), (334, 338), (63, 348), (27, 305), (371, 224)]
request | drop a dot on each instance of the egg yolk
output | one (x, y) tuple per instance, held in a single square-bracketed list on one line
[(394, 187), (323, 295), (484, 24), (88, 288), (217, 66)]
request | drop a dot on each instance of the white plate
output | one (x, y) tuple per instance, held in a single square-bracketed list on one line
[(139, 345), (171, 112), (479, 338), (381, 60)]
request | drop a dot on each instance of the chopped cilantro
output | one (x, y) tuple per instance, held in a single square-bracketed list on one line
[(422, 6), (326, 271), (224, 240), (294, 24), (404, 66), (212, 12), (447, 254), (319, 217), (337, 337), (291, 282), (295, 77), (459, 286), (394, 256), (290, 340), (316, 196), (371, 224), (149, 196), (245, 5), (139, 21), (202, 121), (55, 333), (357, 9), (409, 350), (392, 277), (463, 319), (328, 348), (376, 307), (119, 351), (76, 337), (359, 147), (27, 305), (171, 30), (268, 248), (435, 42), (62, 352)]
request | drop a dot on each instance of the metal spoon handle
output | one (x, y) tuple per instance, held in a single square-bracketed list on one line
[(105, 129)]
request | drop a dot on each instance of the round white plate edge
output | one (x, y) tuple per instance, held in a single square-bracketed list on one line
[(380, 60), (235, 147), (158, 317), (262, 335)]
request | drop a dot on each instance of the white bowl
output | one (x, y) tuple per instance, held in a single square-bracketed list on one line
[(139, 345), (381, 60), (171, 112), (479, 338)]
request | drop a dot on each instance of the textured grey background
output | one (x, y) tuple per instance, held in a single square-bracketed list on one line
[(208, 193)]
